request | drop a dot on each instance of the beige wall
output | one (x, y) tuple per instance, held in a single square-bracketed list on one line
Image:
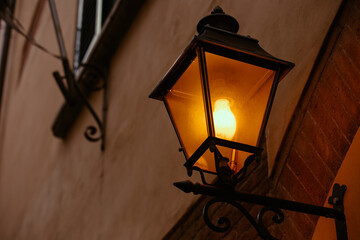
[(349, 175), (54, 189)]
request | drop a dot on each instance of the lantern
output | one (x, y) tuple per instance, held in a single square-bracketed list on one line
[(218, 94)]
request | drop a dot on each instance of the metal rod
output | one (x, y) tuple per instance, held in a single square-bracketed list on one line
[(57, 28), (206, 91), (61, 85), (188, 186), (67, 70), (4, 50), (104, 112), (337, 200)]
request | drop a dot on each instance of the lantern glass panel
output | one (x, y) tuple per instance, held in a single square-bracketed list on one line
[(206, 162), (239, 93), (186, 107)]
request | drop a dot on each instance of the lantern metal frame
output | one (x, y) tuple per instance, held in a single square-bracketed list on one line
[(217, 34)]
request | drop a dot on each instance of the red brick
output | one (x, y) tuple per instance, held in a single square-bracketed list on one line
[(337, 113), (242, 225), (288, 227), (240, 228), (351, 46), (251, 233), (290, 232), (303, 173), (253, 178), (255, 168), (342, 92), (204, 233), (286, 195), (297, 226), (354, 20), (319, 112), (211, 235), (347, 70), (276, 231), (233, 235), (319, 169), (316, 137), (304, 224), (294, 186)]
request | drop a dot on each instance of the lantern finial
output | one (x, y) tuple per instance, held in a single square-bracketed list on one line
[(217, 9), (219, 19)]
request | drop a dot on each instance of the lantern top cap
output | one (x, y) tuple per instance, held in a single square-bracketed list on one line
[(219, 19)]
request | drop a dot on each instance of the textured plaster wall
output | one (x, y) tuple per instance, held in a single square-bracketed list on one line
[(54, 189), (349, 175)]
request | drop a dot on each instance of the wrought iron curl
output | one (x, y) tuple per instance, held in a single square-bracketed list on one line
[(90, 132), (277, 218), (223, 223)]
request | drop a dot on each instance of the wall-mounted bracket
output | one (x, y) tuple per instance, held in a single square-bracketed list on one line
[(74, 93), (114, 30), (274, 205)]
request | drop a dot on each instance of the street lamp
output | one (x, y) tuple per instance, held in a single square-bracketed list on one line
[(218, 94)]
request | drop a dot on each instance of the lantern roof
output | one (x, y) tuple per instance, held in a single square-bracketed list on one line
[(224, 43)]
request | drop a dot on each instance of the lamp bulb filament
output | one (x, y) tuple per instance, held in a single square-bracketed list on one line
[(224, 120)]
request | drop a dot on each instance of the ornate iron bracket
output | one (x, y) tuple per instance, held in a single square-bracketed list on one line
[(270, 204), (72, 92), (224, 223)]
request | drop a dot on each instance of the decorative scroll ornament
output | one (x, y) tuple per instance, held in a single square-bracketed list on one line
[(223, 224), (72, 92), (270, 204)]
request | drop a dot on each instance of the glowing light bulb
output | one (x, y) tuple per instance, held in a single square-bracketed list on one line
[(224, 120)]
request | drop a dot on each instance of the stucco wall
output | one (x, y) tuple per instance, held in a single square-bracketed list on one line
[(54, 189)]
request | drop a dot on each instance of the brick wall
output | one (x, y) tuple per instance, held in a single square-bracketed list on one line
[(323, 126)]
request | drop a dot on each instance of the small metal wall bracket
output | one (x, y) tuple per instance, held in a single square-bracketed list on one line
[(337, 201), (71, 90)]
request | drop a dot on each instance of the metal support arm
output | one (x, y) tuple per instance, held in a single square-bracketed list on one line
[(270, 203), (72, 92)]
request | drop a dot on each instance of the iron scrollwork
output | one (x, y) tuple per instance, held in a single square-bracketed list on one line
[(72, 92), (270, 204), (223, 223), (91, 131)]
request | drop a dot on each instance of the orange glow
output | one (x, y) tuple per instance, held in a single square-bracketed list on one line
[(224, 120)]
